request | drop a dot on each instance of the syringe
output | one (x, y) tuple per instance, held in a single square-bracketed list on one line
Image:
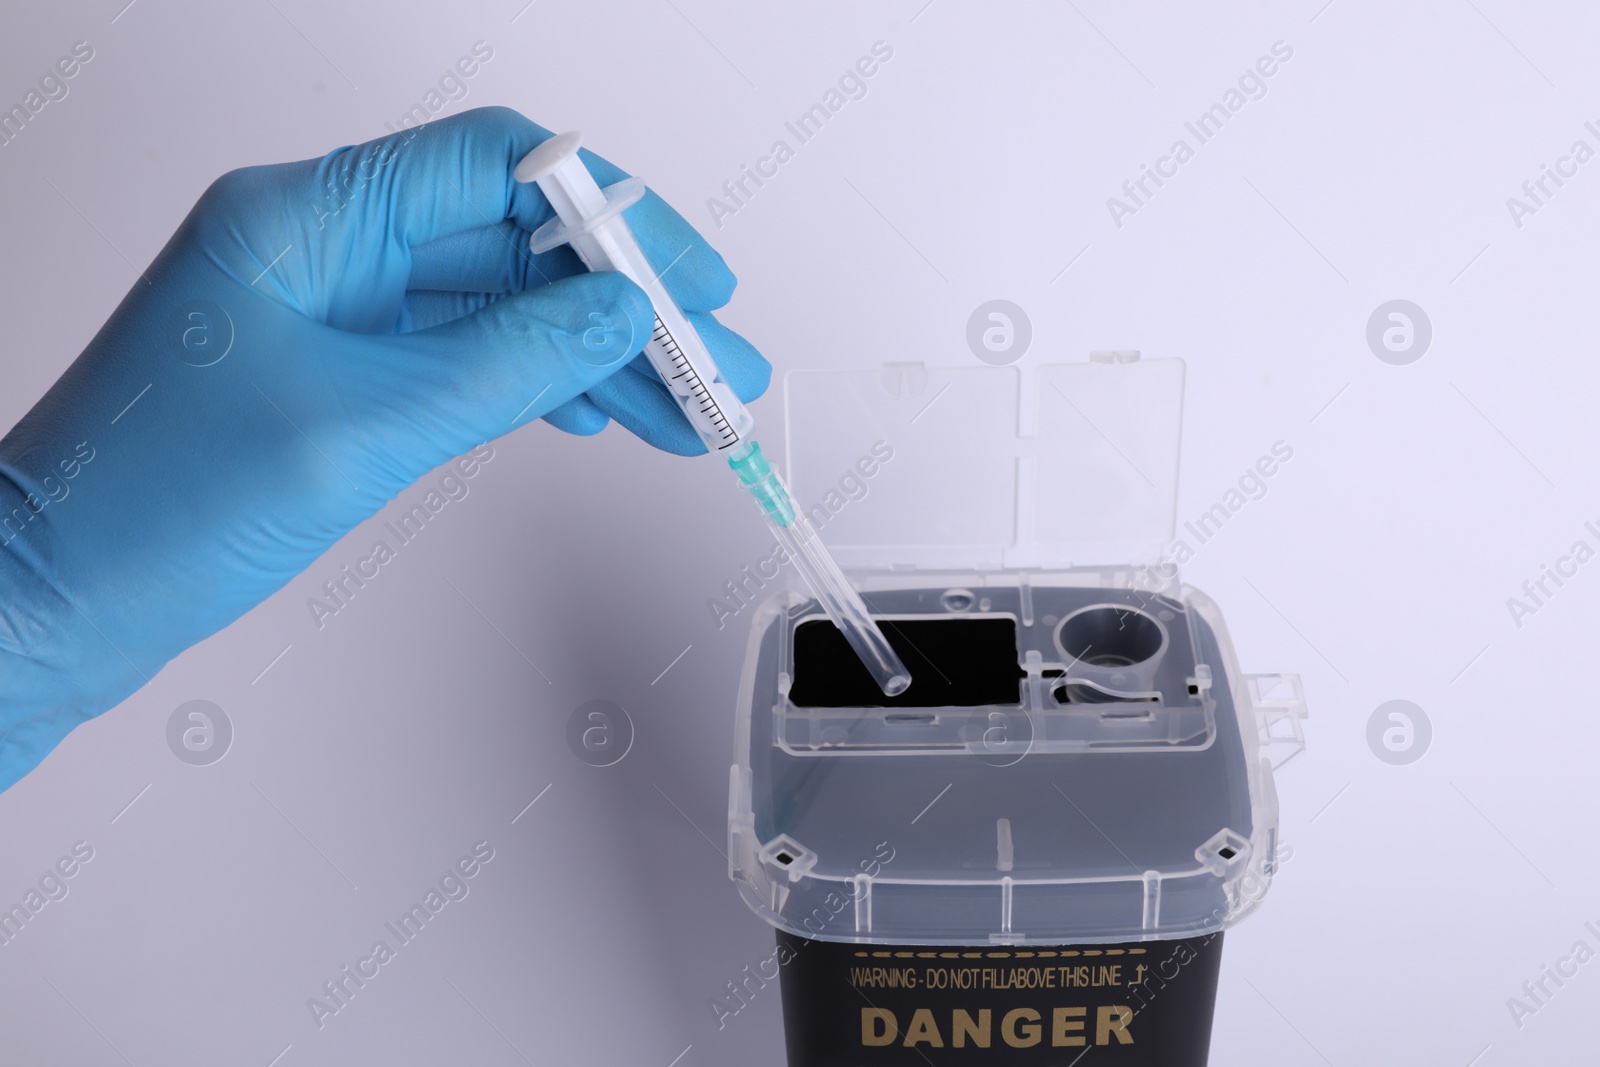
[(590, 220)]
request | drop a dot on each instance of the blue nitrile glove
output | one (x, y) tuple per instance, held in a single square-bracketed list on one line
[(315, 337)]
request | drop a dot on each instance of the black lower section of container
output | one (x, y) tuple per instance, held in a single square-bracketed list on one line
[(1143, 1004)]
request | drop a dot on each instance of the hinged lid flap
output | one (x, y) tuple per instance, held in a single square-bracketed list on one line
[(1069, 464)]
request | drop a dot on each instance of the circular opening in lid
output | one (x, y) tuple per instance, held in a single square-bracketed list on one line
[(1110, 635)]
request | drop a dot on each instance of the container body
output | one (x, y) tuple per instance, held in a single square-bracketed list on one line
[(1030, 855), (1077, 761)]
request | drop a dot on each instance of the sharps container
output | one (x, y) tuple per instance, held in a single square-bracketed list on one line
[(1032, 854)]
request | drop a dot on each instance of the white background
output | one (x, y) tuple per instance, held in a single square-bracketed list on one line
[(378, 749)]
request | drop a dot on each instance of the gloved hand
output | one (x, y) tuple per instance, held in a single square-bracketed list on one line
[(315, 338)]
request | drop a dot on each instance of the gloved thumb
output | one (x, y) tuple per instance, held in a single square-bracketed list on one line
[(477, 377)]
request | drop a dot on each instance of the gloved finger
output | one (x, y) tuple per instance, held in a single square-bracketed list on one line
[(446, 177), (520, 357), (496, 259), (426, 308), (746, 370), (489, 259), (643, 404), (578, 416), (694, 273), (347, 221), (640, 400), (455, 174)]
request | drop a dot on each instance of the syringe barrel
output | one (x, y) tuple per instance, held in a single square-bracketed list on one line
[(675, 349), (598, 233)]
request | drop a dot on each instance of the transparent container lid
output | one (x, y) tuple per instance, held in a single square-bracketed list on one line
[(1112, 781), (1063, 465)]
